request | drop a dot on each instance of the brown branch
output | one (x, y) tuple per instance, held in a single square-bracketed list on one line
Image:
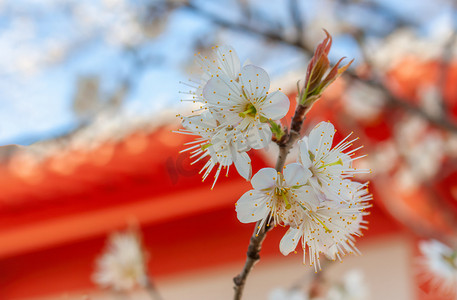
[(297, 18), (315, 281), (446, 58), (257, 238), (246, 28), (407, 106), (255, 245), (316, 288), (152, 290), (393, 100)]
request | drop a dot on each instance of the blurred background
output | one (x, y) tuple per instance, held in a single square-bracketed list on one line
[(89, 91)]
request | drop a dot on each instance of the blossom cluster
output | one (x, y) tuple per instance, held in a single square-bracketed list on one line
[(235, 112), (315, 196)]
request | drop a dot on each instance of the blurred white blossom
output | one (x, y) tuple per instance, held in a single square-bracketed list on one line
[(123, 264), (284, 294), (363, 102), (422, 148), (352, 287), (439, 266), (401, 43)]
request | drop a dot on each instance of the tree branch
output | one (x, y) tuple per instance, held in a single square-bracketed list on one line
[(443, 123), (152, 290), (297, 18), (259, 234), (255, 245), (393, 101), (243, 27)]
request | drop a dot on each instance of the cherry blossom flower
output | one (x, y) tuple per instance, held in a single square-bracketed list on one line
[(283, 197), (246, 104), (329, 166), (220, 144), (230, 126), (324, 217), (123, 265), (330, 227), (221, 60), (439, 262)]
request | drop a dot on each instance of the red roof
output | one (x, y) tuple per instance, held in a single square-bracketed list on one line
[(55, 214)]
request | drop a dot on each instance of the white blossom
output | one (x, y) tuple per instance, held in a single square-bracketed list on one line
[(330, 166), (221, 60), (330, 227), (352, 287), (283, 294), (282, 197), (221, 145), (123, 264), (439, 262), (315, 197), (235, 108), (246, 104)]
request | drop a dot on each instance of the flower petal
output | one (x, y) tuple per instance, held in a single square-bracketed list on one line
[(259, 136), (275, 106), (307, 197), (265, 178), (222, 93), (252, 207), (243, 165), (304, 158), (229, 61), (223, 60), (321, 139), (200, 124), (255, 82), (296, 174), (290, 240)]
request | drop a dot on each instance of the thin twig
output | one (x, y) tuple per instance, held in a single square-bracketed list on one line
[(259, 234), (297, 18), (152, 290), (252, 256), (243, 27), (245, 9), (311, 279), (316, 287), (394, 101), (446, 58)]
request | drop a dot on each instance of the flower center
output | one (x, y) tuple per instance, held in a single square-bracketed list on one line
[(249, 110), (338, 162), (206, 146), (282, 193)]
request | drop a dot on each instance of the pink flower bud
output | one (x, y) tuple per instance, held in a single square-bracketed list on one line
[(318, 75)]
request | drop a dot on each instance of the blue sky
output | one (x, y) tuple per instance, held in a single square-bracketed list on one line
[(46, 45)]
